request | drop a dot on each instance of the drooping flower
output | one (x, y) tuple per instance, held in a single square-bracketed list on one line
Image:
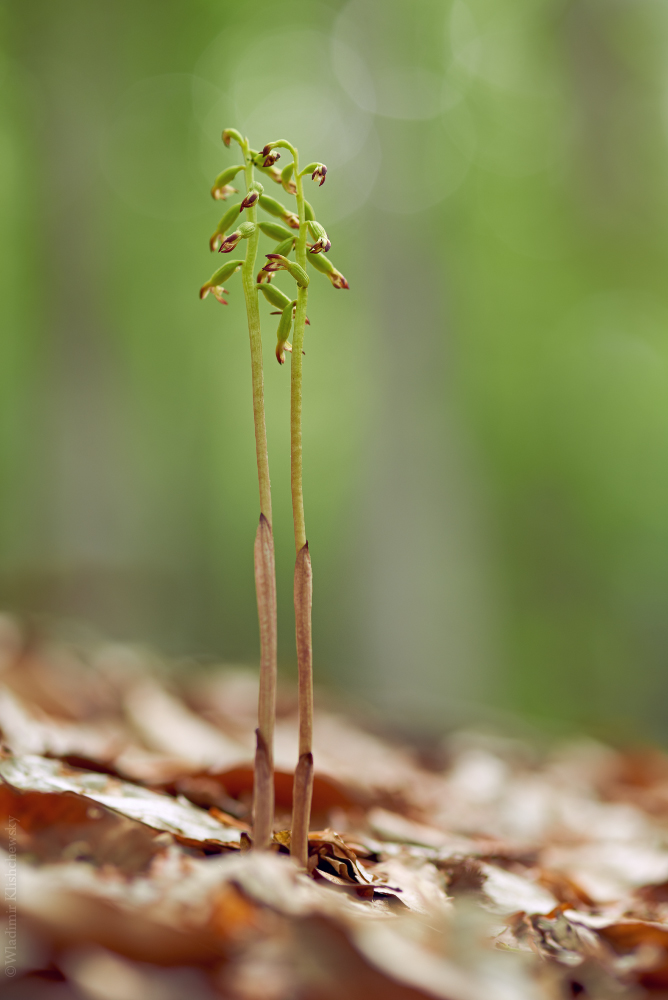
[(322, 241), (325, 266), (277, 262), (321, 172), (216, 281)]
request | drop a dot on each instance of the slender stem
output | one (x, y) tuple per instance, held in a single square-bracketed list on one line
[(296, 376), (303, 783), (265, 573), (253, 313)]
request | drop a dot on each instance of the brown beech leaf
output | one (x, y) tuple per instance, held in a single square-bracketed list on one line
[(167, 725), (32, 731), (62, 826), (328, 793), (338, 970), (188, 824)]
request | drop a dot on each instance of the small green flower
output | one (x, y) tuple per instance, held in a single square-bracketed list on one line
[(216, 281)]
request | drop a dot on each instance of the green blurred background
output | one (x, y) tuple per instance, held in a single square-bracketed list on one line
[(486, 410)]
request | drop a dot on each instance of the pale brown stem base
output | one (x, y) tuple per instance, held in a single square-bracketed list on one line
[(303, 786), (301, 809), (263, 795), (265, 586)]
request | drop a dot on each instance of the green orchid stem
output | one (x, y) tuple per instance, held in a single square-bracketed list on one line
[(303, 783), (265, 573), (253, 313)]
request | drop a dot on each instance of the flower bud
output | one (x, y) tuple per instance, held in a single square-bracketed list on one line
[(274, 296), (215, 282), (325, 266), (221, 186), (283, 332), (276, 231), (227, 220), (263, 278), (271, 158), (231, 133), (229, 243), (286, 179), (322, 241), (245, 230), (251, 198), (279, 263), (275, 208)]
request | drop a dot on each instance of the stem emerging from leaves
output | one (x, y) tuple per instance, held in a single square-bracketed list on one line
[(265, 574), (303, 785)]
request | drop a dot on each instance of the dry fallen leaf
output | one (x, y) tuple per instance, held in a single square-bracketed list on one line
[(492, 874)]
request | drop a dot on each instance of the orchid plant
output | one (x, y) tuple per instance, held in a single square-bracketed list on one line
[(299, 232)]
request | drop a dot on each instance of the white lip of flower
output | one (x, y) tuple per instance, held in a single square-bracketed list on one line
[(321, 172)]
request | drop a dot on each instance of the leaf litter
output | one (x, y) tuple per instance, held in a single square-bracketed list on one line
[(499, 874)]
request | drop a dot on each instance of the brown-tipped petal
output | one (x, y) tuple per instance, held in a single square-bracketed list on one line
[(271, 157), (249, 200), (339, 281), (263, 277), (266, 150), (292, 220), (302, 795), (281, 349), (323, 245), (321, 172), (229, 242)]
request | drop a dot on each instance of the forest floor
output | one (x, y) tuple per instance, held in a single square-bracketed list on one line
[(487, 872)]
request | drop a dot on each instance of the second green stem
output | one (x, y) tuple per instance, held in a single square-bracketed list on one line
[(303, 587)]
